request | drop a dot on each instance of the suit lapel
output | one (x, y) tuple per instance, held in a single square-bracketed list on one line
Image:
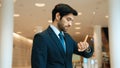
[(55, 39)]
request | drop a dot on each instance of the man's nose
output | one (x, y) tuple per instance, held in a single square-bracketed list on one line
[(69, 24)]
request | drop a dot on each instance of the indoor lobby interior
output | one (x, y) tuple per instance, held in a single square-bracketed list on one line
[(97, 20)]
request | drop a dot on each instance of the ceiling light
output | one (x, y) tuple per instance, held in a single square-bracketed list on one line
[(16, 15), (106, 16), (39, 4), (50, 21), (14, 0), (77, 28), (94, 13), (0, 5), (79, 13), (35, 30), (77, 23), (77, 32)]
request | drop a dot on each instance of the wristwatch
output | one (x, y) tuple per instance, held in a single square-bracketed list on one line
[(88, 50)]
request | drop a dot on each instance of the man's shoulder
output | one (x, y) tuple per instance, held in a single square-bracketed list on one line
[(41, 33)]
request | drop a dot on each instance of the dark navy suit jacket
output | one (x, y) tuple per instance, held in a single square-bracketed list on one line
[(47, 51)]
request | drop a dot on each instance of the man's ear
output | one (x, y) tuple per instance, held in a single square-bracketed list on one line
[(57, 16)]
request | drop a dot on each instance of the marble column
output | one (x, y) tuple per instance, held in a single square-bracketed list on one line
[(98, 45), (114, 33), (6, 33)]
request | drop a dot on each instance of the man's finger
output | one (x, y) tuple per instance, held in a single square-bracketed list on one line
[(86, 38)]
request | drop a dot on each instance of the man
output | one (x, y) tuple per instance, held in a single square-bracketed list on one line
[(53, 48)]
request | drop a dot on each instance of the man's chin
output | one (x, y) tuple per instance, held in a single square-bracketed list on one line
[(65, 30)]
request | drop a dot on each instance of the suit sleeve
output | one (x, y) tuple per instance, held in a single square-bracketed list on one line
[(39, 52), (87, 53)]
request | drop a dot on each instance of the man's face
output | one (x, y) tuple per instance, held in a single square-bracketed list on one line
[(65, 22)]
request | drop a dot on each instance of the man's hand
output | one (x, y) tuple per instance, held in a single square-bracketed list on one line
[(83, 45)]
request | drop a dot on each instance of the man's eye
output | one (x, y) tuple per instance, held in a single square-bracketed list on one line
[(69, 19)]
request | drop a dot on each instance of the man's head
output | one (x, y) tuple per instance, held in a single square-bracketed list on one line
[(63, 15), (63, 9)]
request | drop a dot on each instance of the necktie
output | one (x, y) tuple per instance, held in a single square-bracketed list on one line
[(62, 41)]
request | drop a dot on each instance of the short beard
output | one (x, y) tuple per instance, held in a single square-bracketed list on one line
[(60, 26)]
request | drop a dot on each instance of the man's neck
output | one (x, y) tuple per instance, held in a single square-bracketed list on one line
[(55, 24)]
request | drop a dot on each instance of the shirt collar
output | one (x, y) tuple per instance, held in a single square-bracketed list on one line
[(55, 30)]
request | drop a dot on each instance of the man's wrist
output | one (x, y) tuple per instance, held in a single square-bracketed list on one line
[(88, 50)]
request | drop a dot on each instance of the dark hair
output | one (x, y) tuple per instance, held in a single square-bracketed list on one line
[(63, 9)]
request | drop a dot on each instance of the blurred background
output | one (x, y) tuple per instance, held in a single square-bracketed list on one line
[(32, 16)]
